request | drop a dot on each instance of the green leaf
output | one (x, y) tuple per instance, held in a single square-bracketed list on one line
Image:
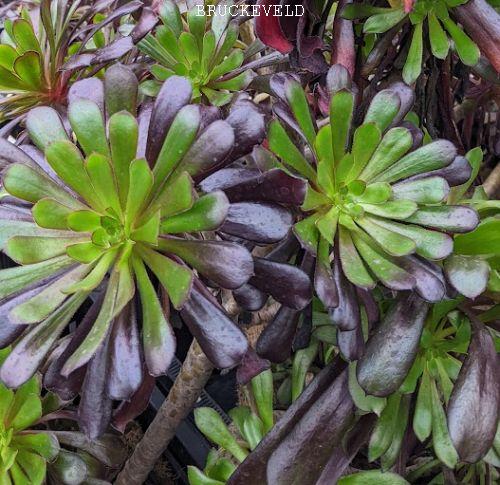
[(141, 180), (123, 137), (239, 82), (390, 456), (382, 435), (443, 447), (447, 218), (28, 68), (197, 477), (422, 418), (327, 224), (50, 214), (376, 193), (233, 61), (197, 24), (174, 196), (84, 221), (10, 82), (395, 143), (467, 50), (323, 144), (26, 407), (366, 139), (307, 233), (363, 401), (45, 127), (94, 278), (103, 181), (7, 57), (474, 157), (179, 139), (14, 279), (382, 22), (314, 199), (300, 109), (262, 390), (437, 37), (48, 300), (119, 292), (207, 214), (208, 50), (281, 144), (430, 190), (171, 16), (189, 47), (42, 443), (383, 109), (88, 124), (31, 185), (66, 160), (156, 333), (393, 243), (341, 111), (30, 467), (175, 278), (302, 360), (485, 239), (211, 425), (149, 231), (413, 64), (24, 36), (467, 274), (372, 477), (352, 265), (393, 209), (86, 252)]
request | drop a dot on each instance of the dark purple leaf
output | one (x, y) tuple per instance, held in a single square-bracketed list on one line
[(9, 154), (391, 350), (416, 134), (209, 151), (285, 283), (325, 286), (251, 365), (457, 173), (174, 94), (129, 410), (95, 408), (475, 400), (223, 342), (303, 454), (406, 96), (343, 455), (228, 177), (225, 263), (249, 126), (370, 305), (91, 88), (68, 387), (253, 470), (208, 114), (275, 341), (351, 343), (262, 223), (144, 119), (346, 314), (250, 298), (430, 284), (144, 25), (272, 186), (125, 359)]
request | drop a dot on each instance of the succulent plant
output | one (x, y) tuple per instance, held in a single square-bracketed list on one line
[(32, 451), (203, 50), (235, 443), (89, 218), (33, 58), (434, 15), (433, 375), (377, 200)]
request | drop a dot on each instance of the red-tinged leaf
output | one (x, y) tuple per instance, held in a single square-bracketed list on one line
[(263, 223), (223, 342), (125, 359), (285, 283), (475, 400), (391, 350), (268, 29), (129, 410), (275, 341)]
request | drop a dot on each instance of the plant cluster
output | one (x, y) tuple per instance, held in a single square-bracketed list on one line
[(309, 200)]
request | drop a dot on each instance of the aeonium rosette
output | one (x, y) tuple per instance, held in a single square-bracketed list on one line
[(375, 209), (93, 219)]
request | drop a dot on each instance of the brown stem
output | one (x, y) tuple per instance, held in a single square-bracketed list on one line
[(186, 390), (482, 22)]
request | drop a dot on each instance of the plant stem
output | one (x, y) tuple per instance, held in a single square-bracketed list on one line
[(186, 390)]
